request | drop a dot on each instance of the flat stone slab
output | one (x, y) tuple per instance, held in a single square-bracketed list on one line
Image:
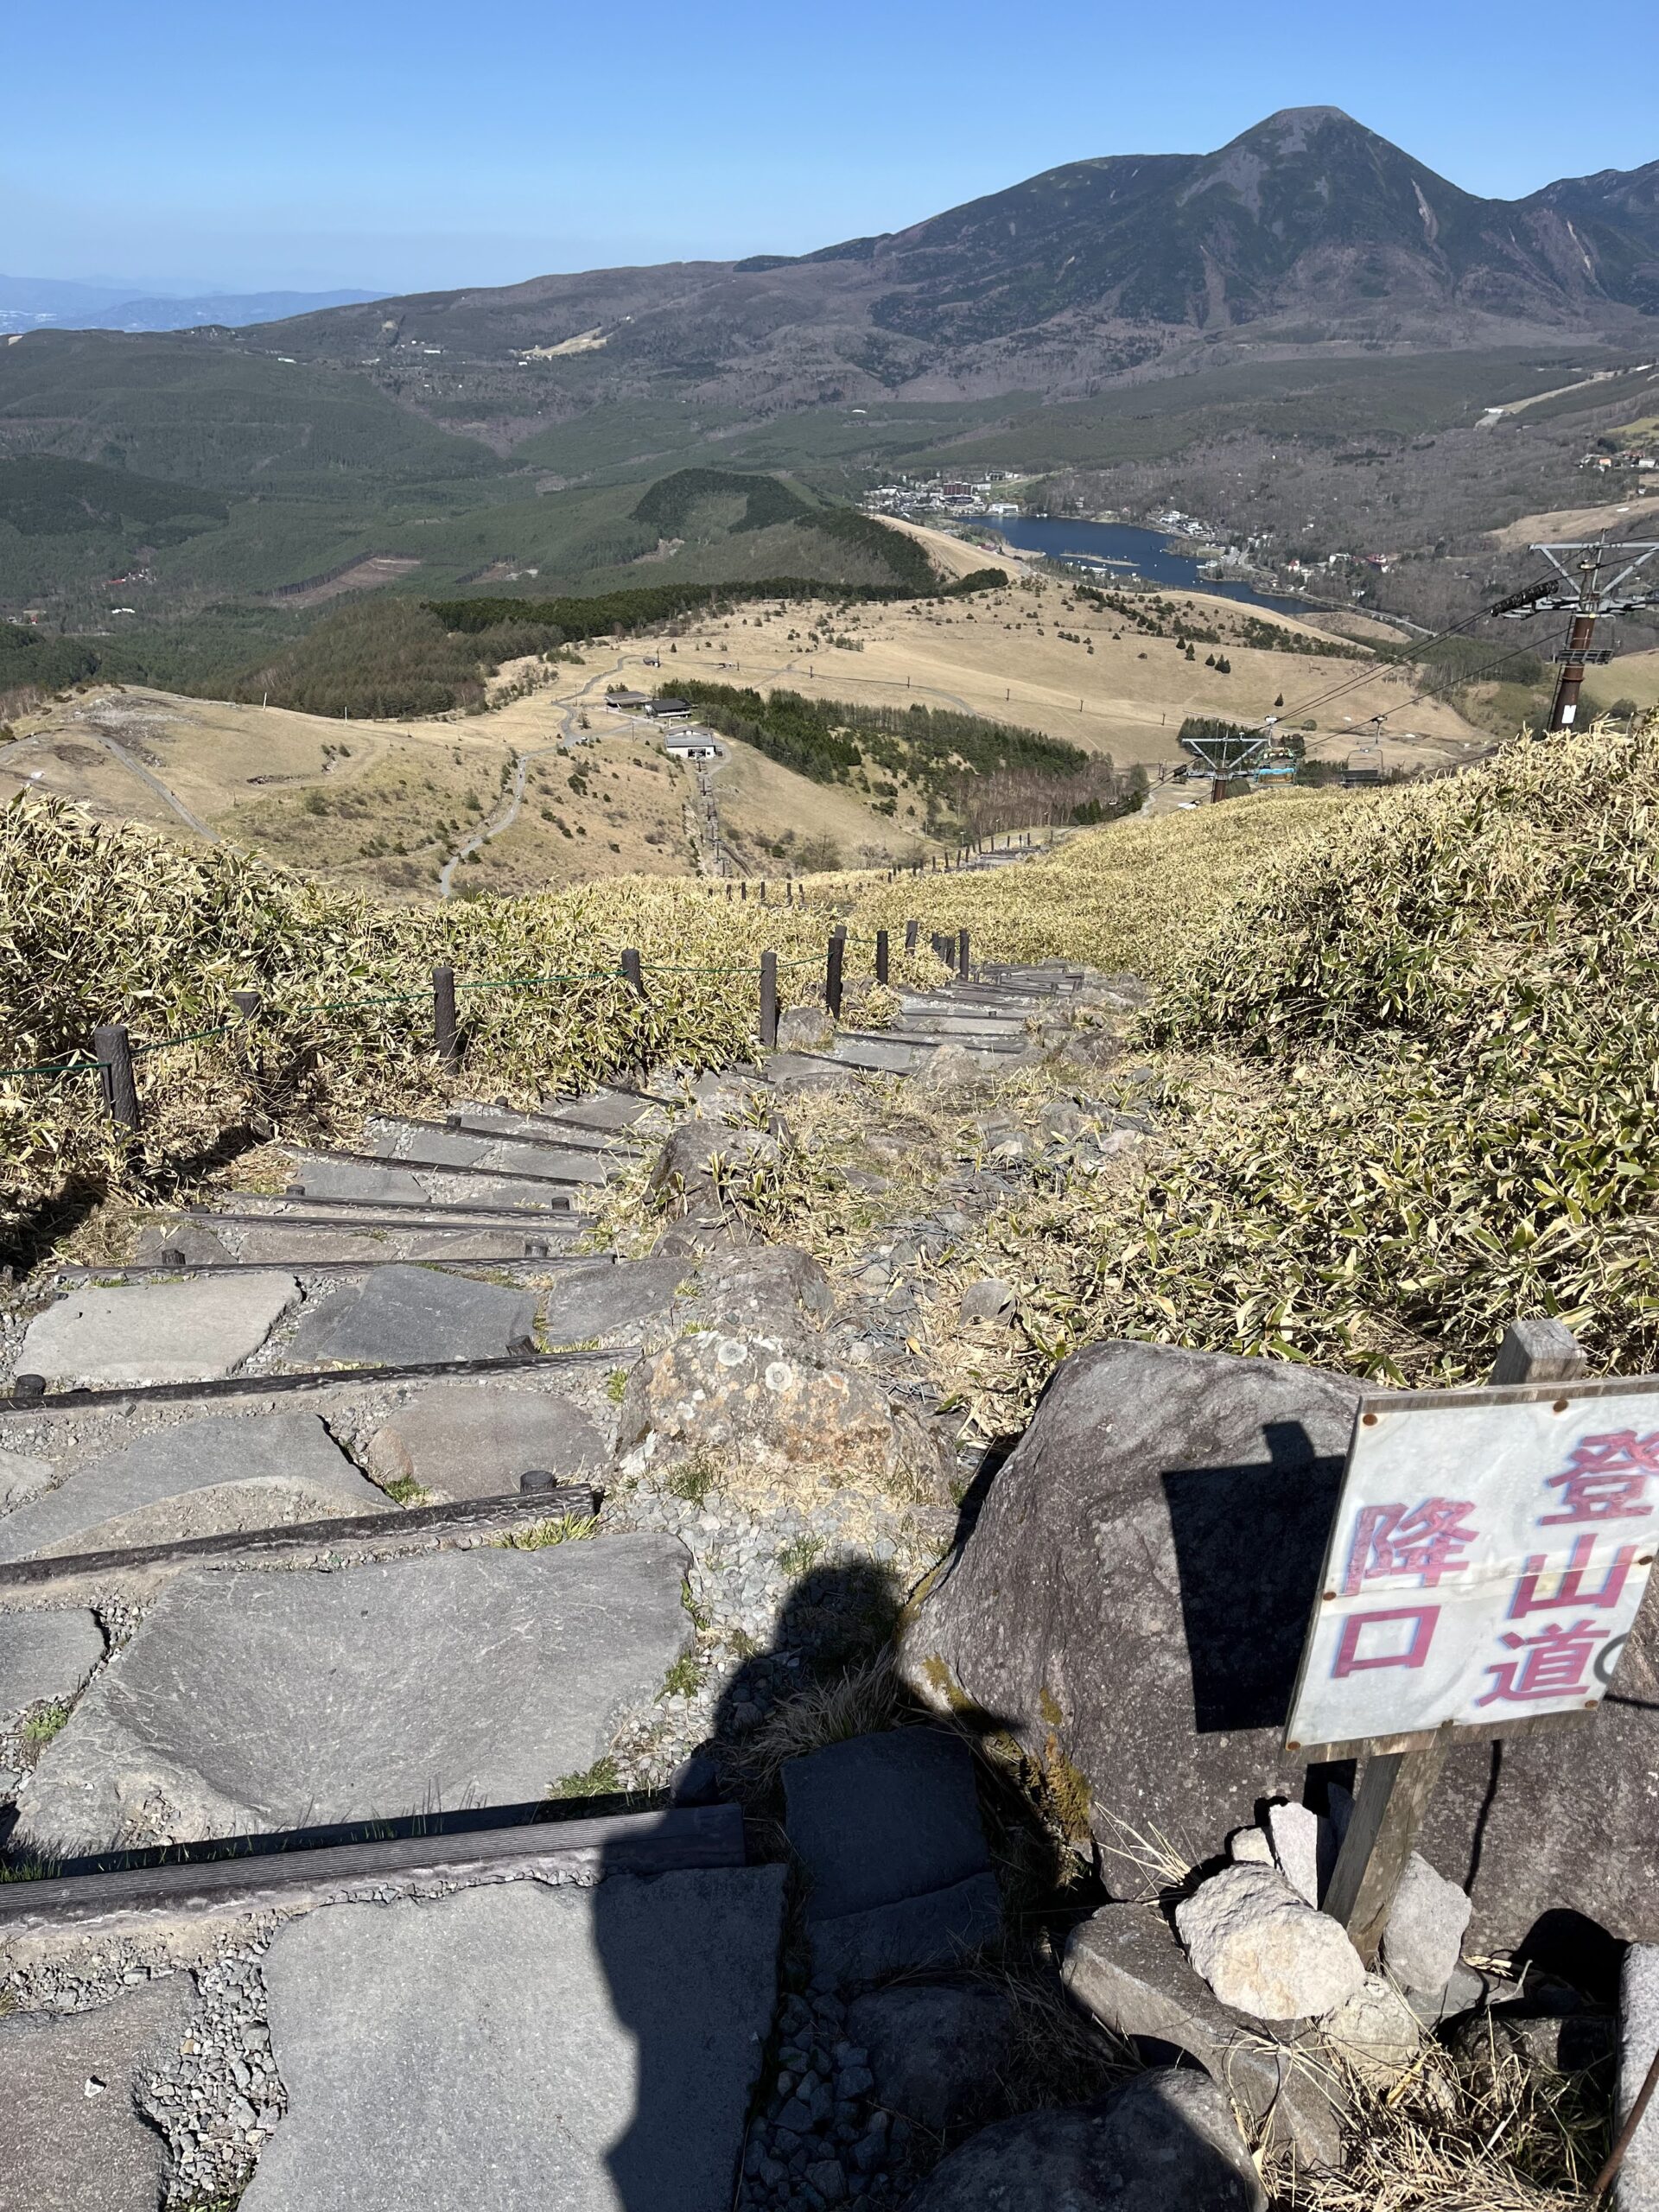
[(599, 1300), (529, 2048), (201, 1479), (22, 1476), (475, 1439), (45, 1657), (409, 1317), (343, 1178), (154, 1333), (253, 1702), (71, 2138)]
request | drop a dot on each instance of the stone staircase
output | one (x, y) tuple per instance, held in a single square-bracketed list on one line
[(330, 1517)]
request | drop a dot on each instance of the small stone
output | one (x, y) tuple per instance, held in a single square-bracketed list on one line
[(1263, 1950), (1423, 1940), (1298, 1847), (989, 1303), (1376, 2030), (44, 1658), (1250, 1847)]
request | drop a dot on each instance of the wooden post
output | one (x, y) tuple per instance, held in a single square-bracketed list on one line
[(247, 1003), (768, 998), (112, 1049), (962, 954), (632, 971), (913, 931), (443, 1014), (743, 893), (1382, 1830), (832, 976), (1396, 1787), (881, 956)]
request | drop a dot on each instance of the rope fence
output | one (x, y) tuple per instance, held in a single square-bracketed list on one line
[(116, 1054)]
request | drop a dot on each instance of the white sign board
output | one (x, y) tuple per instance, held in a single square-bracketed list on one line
[(1489, 1554)]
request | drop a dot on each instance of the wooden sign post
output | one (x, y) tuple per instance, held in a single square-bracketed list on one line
[(1486, 1562)]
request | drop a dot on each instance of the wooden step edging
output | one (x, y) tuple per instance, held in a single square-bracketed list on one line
[(414, 1166), (424, 1528), (267, 1877), (300, 1265), (460, 1123), (226, 1386), (554, 1210)]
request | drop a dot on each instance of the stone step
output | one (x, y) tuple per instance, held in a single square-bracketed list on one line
[(298, 1242), (381, 1691), (419, 1145), (543, 1128), (366, 1174)]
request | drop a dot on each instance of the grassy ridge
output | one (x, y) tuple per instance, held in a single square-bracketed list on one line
[(1415, 1087)]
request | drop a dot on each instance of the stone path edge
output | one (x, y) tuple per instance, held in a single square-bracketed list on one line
[(423, 1526), (254, 1385), (670, 1841)]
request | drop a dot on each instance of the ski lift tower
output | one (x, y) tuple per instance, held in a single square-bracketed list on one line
[(1583, 594), (1229, 755)]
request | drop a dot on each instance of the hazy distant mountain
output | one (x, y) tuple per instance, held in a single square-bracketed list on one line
[(1307, 228), (54, 303)]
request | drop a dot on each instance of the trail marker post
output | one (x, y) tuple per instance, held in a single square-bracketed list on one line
[(443, 1016), (768, 998), (112, 1049), (1485, 1564)]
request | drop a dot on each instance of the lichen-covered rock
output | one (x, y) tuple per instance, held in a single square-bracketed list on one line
[(771, 1401), (1263, 1950)]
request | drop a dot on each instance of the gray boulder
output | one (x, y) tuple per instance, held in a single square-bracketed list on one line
[(1304, 1847), (1263, 1950), (1423, 1940), (1375, 2031), (71, 2137), (1164, 2142), (937, 2049), (1145, 1566), (1638, 2041)]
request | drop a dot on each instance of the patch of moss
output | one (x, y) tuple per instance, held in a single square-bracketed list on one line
[(601, 1780)]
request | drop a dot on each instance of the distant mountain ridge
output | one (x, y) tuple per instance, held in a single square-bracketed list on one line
[(1307, 228), (55, 303)]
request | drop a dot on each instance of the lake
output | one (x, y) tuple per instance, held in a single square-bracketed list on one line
[(1131, 552)]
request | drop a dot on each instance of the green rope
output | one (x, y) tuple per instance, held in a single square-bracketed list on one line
[(533, 982), (166, 1043), (54, 1067)]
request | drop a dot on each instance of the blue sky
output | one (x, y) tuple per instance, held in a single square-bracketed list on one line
[(407, 145)]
